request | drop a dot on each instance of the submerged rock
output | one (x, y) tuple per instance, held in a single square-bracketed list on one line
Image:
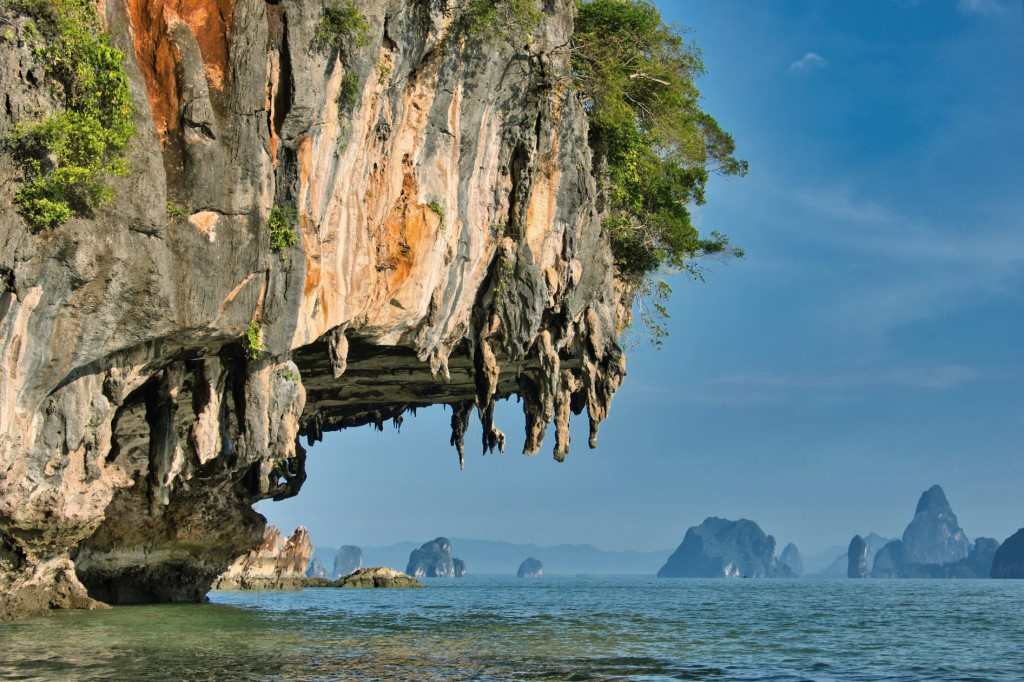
[(720, 548), (857, 558), (380, 577), (1009, 559), (432, 560), (791, 557), (302, 243), (530, 568), (277, 564), (348, 559)]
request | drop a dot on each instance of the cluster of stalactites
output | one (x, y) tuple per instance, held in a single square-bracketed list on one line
[(551, 390)]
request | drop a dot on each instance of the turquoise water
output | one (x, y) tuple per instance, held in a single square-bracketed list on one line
[(551, 629)]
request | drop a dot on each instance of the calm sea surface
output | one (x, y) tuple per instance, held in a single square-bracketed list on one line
[(550, 629)]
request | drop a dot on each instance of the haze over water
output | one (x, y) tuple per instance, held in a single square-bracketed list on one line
[(485, 628)]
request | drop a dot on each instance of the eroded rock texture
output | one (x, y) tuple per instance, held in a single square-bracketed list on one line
[(450, 252), (278, 563)]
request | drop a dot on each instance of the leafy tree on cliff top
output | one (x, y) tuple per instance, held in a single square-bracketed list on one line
[(654, 146)]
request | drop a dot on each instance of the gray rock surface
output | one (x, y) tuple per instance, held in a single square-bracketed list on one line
[(838, 568), (857, 558), (316, 569), (530, 568), (723, 548), (278, 563), (348, 559), (889, 561), (432, 560), (136, 432), (791, 557), (934, 535), (1009, 559), (377, 578)]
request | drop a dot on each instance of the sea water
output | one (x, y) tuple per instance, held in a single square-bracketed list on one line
[(553, 628)]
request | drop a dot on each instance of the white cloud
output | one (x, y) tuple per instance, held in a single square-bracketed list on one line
[(910, 269), (985, 7), (809, 62)]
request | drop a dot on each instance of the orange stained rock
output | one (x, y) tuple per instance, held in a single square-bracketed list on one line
[(158, 56)]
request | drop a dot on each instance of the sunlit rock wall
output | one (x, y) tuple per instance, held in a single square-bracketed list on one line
[(450, 252)]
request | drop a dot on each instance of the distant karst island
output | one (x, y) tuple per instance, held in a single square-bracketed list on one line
[(720, 548), (434, 560), (932, 546), (530, 568)]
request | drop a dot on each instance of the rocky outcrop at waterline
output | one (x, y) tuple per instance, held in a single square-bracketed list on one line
[(277, 564), (306, 240), (368, 578)]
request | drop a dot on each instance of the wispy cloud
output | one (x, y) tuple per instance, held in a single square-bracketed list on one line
[(983, 7), (809, 62), (910, 269)]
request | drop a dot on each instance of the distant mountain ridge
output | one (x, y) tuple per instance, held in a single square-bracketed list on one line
[(494, 557)]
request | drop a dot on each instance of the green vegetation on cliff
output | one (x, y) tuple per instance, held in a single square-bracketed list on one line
[(281, 225), (68, 156), (654, 146), (507, 19), (342, 27)]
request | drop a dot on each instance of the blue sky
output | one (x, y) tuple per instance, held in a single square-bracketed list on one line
[(867, 347)]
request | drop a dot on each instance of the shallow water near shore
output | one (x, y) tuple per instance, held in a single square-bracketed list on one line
[(482, 628)]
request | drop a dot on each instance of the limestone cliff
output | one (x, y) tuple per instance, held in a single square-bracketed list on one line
[(277, 564), (161, 356), (720, 548)]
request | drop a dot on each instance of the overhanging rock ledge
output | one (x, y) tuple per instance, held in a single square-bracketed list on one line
[(449, 252)]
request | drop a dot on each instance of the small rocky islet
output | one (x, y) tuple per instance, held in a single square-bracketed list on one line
[(530, 568)]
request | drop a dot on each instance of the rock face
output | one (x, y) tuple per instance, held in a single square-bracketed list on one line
[(1009, 559), (889, 561), (160, 359), (348, 559), (277, 564), (370, 578), (934, 535), (720, 548), (791, 557), (530, 568), (934, 546), (840, 567), (459, 566), (857, 558), (316, 569), (434, 560)]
